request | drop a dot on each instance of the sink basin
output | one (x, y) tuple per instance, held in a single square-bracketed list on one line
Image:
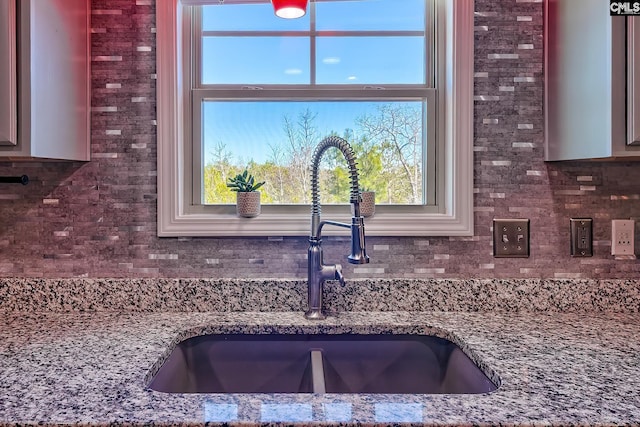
[(397, 364)]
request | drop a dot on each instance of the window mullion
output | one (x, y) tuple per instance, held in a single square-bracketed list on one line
[(429, 45), (312, 42), (196, 46), (316, 93), (253, 33), (321, 33)]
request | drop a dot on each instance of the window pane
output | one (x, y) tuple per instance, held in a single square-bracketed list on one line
[(248, 17), (371, 15), (371, 60), (255, 60), (276, 140)]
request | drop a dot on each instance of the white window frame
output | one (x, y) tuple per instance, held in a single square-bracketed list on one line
[(177, 216)]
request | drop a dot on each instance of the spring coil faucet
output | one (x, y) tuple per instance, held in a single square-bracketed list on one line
[(317, 271)]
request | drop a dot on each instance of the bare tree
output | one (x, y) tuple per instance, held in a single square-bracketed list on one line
[(397, 128), (302, 136), (277, 157), (222, 159)]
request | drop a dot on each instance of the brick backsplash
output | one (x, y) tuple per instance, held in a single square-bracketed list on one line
[(98, 219)]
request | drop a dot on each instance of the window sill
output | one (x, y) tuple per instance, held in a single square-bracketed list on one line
[(385, 222)]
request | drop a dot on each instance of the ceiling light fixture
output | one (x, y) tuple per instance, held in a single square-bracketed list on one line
[(289, 9)]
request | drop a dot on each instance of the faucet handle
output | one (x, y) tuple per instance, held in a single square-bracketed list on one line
[(339, 275)]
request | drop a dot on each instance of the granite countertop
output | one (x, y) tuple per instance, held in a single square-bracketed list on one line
[(92, 368)]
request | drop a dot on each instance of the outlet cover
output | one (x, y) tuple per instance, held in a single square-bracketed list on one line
[(511, 238), (581, 237), (622, 237)]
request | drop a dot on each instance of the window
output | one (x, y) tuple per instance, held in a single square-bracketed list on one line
[(283, 85), (316, 76)]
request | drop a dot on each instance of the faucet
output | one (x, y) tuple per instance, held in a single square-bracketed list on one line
[(318, 272)]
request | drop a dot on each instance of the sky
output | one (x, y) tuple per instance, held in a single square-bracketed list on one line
[(248, 128)]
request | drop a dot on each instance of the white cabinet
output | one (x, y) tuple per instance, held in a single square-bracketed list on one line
[(591, 81), (633, 80), (8, 73), (53, 84)]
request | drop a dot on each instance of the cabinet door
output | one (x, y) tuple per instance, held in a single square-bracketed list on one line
[(633, 82), (8, 71), (55, 78)]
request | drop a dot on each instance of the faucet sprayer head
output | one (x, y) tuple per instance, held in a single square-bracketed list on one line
[(358, 251)]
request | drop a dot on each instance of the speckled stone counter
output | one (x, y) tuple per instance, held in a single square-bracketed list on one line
[(92, 368), (82, 351), (232, 295)]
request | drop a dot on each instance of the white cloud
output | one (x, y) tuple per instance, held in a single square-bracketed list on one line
[(331, 60)]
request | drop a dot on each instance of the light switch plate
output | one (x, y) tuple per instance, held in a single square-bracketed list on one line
[(581, 237), (511, 238)]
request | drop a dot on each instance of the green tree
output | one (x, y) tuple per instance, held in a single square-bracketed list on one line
[(215, 186), (216, 174), (373, 174)]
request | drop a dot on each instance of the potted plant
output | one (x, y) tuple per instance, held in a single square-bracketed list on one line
[(367, 202), (247, 196)]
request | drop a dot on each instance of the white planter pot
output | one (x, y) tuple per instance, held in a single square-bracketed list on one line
[(248, 204), (367, 203)]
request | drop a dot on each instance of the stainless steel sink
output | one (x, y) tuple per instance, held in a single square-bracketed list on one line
[(414, 364)]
